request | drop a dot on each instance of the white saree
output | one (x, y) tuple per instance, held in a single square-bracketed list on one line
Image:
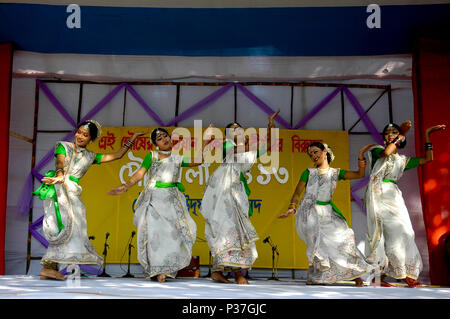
[(390, 237), (230, 234), (165, 230), (71, 244), (331, 248)]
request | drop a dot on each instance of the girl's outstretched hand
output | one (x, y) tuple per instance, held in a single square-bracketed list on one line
[(118, 190), (287, 213), (53, 180), (142, 133), (209, 132), (365, 149), (435, 128), (405, 127), (272, 117)]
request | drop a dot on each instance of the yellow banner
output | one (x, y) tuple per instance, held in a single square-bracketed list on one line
[(270, 194)]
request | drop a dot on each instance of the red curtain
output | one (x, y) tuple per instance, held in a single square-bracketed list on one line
[(6, 53), (431, 82)]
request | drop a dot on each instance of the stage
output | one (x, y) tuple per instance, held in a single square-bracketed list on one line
[(31, 287)]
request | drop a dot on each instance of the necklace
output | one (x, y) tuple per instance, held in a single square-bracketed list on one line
[(323, 170), (77, 153), (165, 152), (78, 149)]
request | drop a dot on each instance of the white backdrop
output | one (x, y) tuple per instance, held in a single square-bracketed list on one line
[(394, 71)]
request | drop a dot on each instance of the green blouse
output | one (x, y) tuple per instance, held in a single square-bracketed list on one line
[(413, 162), (62, 151), (148, 161), (305, 175)]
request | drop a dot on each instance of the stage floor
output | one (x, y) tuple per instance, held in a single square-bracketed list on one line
[(31, 287)]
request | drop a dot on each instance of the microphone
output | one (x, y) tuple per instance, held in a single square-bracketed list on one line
[(266, 240), (133, 233), (107, 235), (91, 237)]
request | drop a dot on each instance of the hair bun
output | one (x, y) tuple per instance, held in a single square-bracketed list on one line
[(98, 126), (329, 151)]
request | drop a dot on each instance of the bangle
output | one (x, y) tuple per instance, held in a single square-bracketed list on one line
[(397, 141), (128, 144), (293, 205), (362, 162), (59, 170), (126, 187), (428, 146)]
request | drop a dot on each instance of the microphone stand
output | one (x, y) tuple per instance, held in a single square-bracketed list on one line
[(128, 274), (274, 250), (105, 252)]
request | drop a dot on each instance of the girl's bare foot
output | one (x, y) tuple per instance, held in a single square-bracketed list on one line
[(161, 278), (219, 277), (51, 274), (359, 282), (412, 283), (240, 279), (383, 283)]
